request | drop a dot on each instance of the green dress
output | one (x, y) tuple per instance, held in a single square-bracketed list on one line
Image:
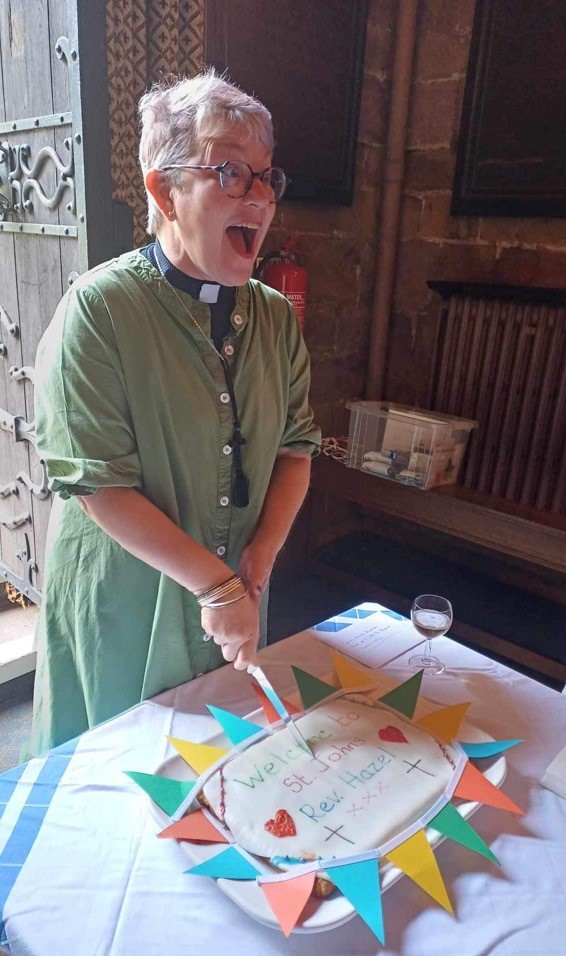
[(130, 394)]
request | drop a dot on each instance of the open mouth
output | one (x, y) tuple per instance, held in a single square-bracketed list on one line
[(243, 238)]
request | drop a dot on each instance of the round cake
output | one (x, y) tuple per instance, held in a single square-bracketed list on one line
[(371, 775)]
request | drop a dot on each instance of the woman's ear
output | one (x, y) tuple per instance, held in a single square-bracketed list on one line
[(160, 190)]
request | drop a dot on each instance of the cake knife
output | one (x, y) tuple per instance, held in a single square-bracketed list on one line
[(279, 706)]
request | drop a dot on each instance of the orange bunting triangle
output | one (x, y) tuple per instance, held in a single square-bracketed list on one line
[(348, 674), (445, 723), (415, 858), (195, 827), (474, 786), (269, 709), (198, 756), (287, 899)]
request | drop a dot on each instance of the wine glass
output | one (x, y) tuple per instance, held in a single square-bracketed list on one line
[(432, 617)]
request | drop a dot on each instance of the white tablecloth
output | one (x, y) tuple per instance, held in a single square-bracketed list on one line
[(82, 873)]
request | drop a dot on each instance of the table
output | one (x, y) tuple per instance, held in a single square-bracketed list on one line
[(82, 873)]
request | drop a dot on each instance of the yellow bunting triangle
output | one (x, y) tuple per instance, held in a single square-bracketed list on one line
[(417, 860), (348, 674), (198, 756), (445, 723)]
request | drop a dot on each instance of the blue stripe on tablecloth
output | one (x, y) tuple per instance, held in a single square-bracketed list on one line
[(8, 783), (30, 820)]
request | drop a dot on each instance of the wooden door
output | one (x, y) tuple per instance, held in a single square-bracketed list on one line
[(57, 219)]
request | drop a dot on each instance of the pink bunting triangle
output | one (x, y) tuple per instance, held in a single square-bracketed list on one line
[(288, 898), (195, 827)]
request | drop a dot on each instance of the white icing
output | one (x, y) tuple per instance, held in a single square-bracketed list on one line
[(363, 788)]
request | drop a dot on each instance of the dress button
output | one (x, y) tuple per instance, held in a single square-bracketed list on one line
[(224, 501), (224, 398), (221, 550), (201, 674), (227, 449), (207, 637), (228, 350), (238, 319)]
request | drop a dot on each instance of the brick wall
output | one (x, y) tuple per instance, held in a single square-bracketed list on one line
[(337, 244)]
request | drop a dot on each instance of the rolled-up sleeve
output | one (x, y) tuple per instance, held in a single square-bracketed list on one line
[(300, 434), (84, 428)]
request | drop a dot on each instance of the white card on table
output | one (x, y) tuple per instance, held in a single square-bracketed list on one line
[(369, 633)]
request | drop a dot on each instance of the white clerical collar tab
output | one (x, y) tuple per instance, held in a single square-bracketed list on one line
[(209, 292)]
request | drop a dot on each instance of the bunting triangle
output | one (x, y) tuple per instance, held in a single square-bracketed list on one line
[(196, 826), (198, 756), (404, 697), (288, 898), (348, 674), (359, 882), (452, 825), (235, 728), (416, 859), (167, 794), (445, 723), (311, 689), (226, 865), (269, 709), (489, 748), (474, 786)]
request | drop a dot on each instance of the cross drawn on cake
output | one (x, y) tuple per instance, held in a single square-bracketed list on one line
[(354, 809), (413, 766), (335, 832)]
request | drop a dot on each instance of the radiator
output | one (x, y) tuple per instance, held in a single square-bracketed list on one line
[(501, 359)]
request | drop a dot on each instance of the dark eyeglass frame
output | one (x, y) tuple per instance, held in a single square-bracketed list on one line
[(222, 167)]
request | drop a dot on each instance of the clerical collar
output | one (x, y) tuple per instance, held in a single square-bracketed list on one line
[(209, 292)]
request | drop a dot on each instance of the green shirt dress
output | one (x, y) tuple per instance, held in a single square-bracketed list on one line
[(130, 394)]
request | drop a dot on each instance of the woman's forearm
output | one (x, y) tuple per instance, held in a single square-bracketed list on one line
[(147, 533), (287, 490)]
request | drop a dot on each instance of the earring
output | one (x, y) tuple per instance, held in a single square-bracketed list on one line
[(171, 213)]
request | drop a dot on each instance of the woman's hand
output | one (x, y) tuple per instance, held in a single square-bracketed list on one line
[(235, 628), (256, 565)]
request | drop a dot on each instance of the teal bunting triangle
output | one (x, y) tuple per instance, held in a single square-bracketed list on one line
[(311, 688), (359, 882), (489, 748), (167, 794), (227, 865), (404, 697), (452, 825), (235, 728)]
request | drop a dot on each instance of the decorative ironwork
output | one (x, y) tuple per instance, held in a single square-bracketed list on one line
[(17, 426), (40, 490), (40, 122), (34, 228), (25, 583), (12, 524), (6, 321), (26, 371), (10, 489), (20, 177)]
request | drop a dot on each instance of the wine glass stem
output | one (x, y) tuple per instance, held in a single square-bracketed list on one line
[(428, 650)]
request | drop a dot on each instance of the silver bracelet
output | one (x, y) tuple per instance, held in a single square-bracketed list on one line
[(226, 603)]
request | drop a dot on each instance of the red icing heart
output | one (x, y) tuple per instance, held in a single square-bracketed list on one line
[(393, 735), (282, 826)]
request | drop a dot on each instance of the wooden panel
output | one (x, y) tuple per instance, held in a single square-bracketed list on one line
[(513, 529)]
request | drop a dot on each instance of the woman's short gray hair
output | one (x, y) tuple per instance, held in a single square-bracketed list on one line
[(178, 118)]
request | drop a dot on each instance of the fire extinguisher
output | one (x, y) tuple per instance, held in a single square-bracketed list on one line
[(281, 271)]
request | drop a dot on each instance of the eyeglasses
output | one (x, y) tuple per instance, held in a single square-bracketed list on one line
[(236, 178)]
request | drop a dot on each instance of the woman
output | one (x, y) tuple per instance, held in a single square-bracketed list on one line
[(173, 418)]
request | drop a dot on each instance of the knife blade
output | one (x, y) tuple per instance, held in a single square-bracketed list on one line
[(271, 693)]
